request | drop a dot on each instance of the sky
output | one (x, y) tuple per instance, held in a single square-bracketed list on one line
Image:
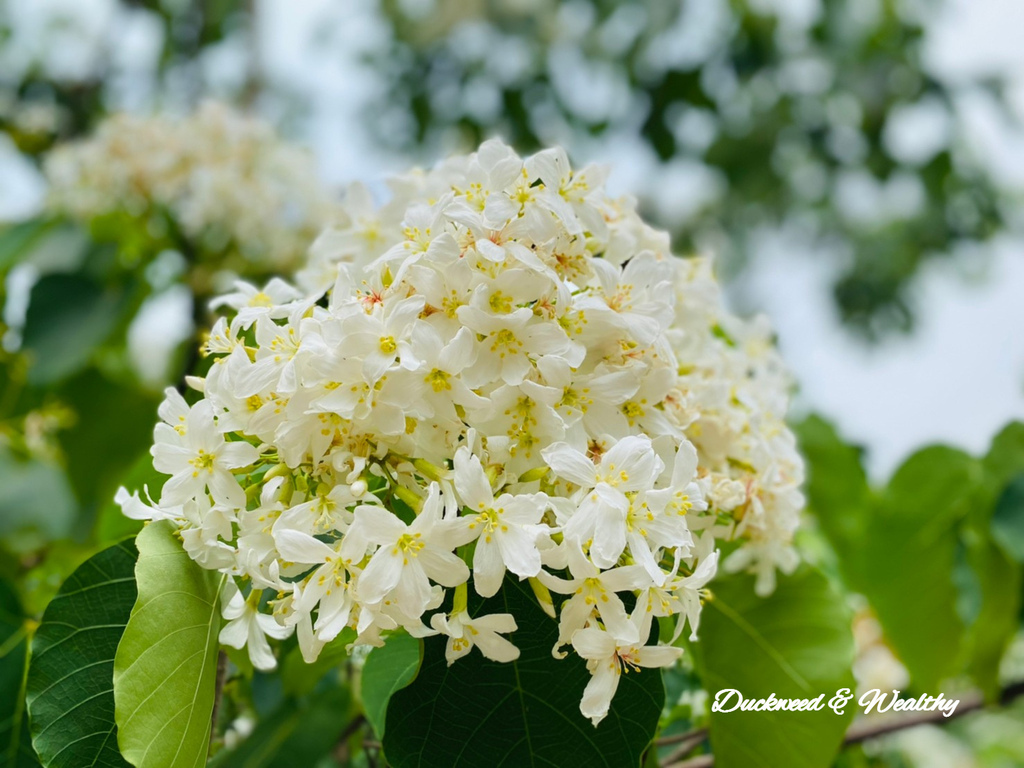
[(956, 379)]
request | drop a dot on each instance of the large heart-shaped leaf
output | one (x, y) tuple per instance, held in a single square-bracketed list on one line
[(388, 669), (795, 643), (166, 665), (524, 713), (15, 744), (71, 674)]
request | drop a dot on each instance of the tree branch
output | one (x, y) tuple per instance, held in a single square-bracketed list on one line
[(676, 738), (222, 675), (860, 731), (686, 741), (341, 748)]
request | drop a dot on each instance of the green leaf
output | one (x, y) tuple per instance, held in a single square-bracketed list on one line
[(70, 679), (295, 734), (46, 244), (994, 548), (15, 742), (999, 582), (524, 713), (908, 559), (1005, 459), (1008, 520), (99, 457), (795, 643), (166, 665), (16, 239), (37, 504), (68, 317), (300, 679), (837, 487), (387, 670)]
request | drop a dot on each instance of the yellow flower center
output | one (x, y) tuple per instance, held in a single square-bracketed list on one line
[(500, 302), (409, 544), (202, 462), (438, 380), (490, 519)]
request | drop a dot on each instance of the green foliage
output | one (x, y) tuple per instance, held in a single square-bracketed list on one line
[(102, 455), (294, 734), (69, 694), (69, 317), (526, 711), (387, 670), (20, 238), (1008, 520), (999, 583), (936, 533), (836, 482), (47, 244), (43, 105), (36, 505), (166, 664), (1005, 458), (910, 549), (300, 679), (795, 643), (15, 743)]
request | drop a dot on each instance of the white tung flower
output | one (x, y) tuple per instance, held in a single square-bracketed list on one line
[(248, 628), (608, 658), (484, 632), (507, 526), (631, 465), (501, 367), (200, 459), (408, 556)]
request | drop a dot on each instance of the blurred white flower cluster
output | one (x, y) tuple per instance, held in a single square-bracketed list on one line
[(501, 371), (226, 182)]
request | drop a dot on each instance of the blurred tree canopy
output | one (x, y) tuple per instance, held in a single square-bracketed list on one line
[(821, 118), (59, 75)]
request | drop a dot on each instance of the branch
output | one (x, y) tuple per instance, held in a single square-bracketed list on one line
[(341, 747), (860, 731), (676, 738), (222, 676), (687, 743)]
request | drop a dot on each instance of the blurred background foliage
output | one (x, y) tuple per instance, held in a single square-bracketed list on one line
[(49, 95), (824, 121)]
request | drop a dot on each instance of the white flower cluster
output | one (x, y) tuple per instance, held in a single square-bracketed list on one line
[(502, 368), (227, 181)]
